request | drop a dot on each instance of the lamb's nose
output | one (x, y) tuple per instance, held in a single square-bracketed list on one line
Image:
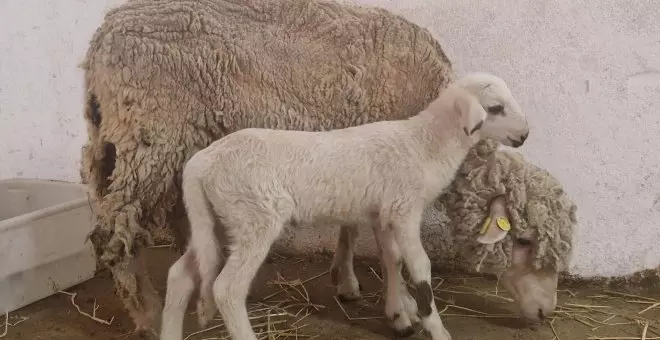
[(518, 143), (524, 137), (515, 143)]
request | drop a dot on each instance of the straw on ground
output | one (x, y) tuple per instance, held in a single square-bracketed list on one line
[(94, 309)]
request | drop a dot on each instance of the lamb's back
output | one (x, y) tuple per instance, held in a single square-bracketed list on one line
[(340, 169)]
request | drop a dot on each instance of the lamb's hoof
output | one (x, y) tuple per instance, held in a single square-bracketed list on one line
[(360, 287), (205, 312), (410, 306), (404, 333), (334, 276), (348, 297), (145, 333)]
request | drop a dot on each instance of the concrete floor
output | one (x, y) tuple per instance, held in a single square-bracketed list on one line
[(585, 311)]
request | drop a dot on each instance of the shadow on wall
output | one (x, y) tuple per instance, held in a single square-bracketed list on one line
[(644, 280)]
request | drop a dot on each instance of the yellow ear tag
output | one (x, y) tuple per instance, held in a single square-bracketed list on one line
[(503, 223), (484, 228)]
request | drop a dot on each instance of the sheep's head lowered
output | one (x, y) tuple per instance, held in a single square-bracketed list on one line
[(512, 219)]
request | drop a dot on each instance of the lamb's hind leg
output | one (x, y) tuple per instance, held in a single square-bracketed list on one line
[(180, 286), (341, 271), (249, 247)]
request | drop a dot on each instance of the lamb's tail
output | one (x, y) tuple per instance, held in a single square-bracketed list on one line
[(204, 244)]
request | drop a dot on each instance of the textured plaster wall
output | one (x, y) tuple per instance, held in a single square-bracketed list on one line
[(587, 73), (41, 44)]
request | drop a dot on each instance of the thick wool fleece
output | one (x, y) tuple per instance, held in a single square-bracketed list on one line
[(164, 78), (536, 201)]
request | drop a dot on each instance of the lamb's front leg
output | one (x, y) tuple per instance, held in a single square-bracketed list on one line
[(409, 303), (343, 262), (407, 234), (341, 271), (400, 308)]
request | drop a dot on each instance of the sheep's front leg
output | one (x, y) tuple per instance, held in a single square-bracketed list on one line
[(341, 271), (343, 261), (398, 308), (407, 235), (409, 303)]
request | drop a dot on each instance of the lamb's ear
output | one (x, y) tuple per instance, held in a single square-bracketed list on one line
[(472, 113), (497, 225)]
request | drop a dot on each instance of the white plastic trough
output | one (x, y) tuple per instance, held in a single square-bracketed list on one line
[(43, 225)]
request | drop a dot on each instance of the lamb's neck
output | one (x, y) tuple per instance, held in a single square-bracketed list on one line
[(443, 141)]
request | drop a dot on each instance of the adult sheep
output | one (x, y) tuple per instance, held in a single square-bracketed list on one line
[(164, 78), (509, 218)]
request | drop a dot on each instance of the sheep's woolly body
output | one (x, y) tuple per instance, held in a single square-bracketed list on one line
[(164, 78), (536, 202)]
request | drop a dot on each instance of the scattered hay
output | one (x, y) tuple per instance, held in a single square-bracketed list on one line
[(554, 331), (268, 322), (376, 274), (601, 317), (473, 291), (285, 285), (169, 246), (466, 312), (94, 309), (612, 318), (8, 324), (352, 318), (277, 319), (655, 305)]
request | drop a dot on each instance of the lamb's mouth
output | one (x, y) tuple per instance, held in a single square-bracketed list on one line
[(518, 143), (515, 143)]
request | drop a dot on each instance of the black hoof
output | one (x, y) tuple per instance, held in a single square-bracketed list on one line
[(360, 287), (404, 333)]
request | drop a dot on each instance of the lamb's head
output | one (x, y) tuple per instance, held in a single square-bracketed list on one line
[(504, 120), (511, 219)]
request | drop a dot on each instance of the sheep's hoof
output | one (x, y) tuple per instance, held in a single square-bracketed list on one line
[(205, 312), (145, 333), (348, 297), (334, 276), (404, 333)]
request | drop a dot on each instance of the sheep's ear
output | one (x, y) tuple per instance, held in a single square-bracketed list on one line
[(497, 225), (472, 114)]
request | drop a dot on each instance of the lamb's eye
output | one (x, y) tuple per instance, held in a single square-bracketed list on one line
[(523, 241), (496, 110)]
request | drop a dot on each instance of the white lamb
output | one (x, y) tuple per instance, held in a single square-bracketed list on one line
[(382, 175)]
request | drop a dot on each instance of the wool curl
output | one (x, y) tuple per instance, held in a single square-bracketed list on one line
[(165, 78), (536, 204)]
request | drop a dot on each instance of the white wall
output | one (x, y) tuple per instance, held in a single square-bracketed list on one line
[(587, 72), (41, 97)]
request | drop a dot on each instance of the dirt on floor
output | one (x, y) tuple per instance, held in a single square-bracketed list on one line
[(471, 308)]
